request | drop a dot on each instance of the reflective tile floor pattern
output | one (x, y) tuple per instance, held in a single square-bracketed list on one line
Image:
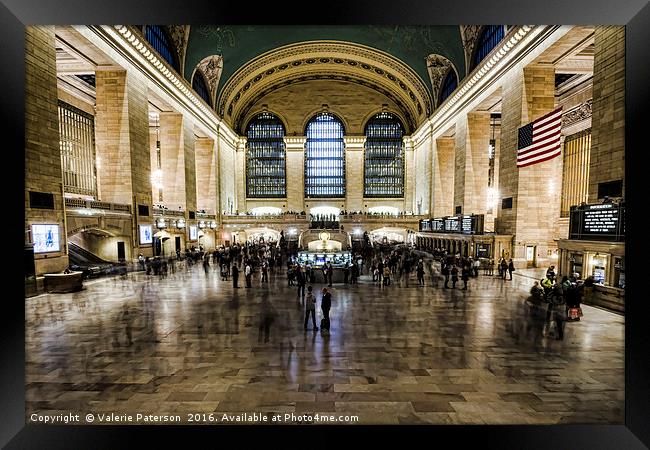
[(395, 355)]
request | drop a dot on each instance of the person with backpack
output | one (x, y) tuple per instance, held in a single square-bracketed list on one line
[(310, 308)]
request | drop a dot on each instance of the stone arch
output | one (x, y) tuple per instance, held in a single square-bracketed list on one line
[(438, 67), (211, 68), (326, 60)]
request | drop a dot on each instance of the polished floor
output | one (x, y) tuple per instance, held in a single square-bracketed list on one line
[(395, 355)]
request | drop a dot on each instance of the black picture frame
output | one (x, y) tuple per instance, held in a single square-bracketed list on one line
[(635, 14)]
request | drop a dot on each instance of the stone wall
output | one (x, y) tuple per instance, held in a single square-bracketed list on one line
[(42, 152)]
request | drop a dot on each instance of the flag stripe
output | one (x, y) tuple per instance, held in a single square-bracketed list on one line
[(530, 148), (539, 140), (546, 158)]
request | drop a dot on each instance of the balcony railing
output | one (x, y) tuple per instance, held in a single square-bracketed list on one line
[(168, 212), (78, 203)]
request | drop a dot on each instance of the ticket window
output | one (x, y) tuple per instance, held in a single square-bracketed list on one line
[(576, 265), (598, 266)]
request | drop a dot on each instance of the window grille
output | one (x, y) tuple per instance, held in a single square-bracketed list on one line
[(490, 37), (325, 157), (384, 157), (265, 157), (156, 36), (200, 87), (575, 172), (77, 145)]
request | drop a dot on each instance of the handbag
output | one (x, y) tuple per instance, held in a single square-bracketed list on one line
[(574, 313)]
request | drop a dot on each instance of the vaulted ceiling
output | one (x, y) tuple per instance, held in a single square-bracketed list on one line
[(403, 65)]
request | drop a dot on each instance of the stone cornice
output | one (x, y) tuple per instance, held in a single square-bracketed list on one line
[(517, 44), (127, 44)]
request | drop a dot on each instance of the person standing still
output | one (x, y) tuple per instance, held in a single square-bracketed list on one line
[(310, 309), (445, 272), (300, 281), (511, 268), (454, 276), (420, 272), (248, 272), (235, 275), (325, 306), (504, 269)]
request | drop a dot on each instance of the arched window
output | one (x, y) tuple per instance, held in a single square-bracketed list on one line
[(490, 37), (158, 39), (449, 85), (384, 157), (200, 87), (265, 157), (325, 157)]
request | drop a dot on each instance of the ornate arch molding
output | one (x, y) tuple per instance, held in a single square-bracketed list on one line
[(318, 60), (438, 66), (211, 68), (180, 35), (470, 35)]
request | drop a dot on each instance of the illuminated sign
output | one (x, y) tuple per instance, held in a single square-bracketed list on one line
[(193, 233), (46, 238), (146, 236), (602, 221)]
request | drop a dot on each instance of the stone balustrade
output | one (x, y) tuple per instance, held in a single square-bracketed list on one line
[(78, 203)]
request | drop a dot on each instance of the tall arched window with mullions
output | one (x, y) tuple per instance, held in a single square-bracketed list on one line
[(384, 157), (325, 157), (201, 87), (265, 157), (449, 85), (161, 42), (489, 38)]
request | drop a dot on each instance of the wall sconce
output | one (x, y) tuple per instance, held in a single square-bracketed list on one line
[(213, 224), (180, 223), (201, 224), (160, 224)]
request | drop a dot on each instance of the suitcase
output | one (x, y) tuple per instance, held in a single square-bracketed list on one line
[(325, 324)]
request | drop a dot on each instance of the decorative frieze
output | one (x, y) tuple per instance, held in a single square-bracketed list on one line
[(577, 114)]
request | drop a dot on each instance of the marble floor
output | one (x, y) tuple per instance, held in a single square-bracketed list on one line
[(395, 355)]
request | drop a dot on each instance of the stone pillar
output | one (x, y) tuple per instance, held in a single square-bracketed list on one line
[(240, 174), (189, 140), (206, 176), (535, 190), (443, 178), (472, 162), (227, 175), (409, 175), (422, 176), (172, 156), (122, 145), (354, 172), (42, 153), (295, 147), (607, 162)]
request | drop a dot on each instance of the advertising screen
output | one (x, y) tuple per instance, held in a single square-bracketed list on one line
[(146, 236), (193, 233), (46, 238)]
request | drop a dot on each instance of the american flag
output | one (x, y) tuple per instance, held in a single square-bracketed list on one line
[(539, 141)]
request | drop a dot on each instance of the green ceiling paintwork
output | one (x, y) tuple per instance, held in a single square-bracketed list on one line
[(239, 44)]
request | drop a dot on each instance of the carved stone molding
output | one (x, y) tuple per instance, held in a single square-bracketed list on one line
[(469, 35), (438, 66), (180, 35), (211, 68), (577, 114), (325, 60)]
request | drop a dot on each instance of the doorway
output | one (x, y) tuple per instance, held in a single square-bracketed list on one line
[(530, 256), (177, 243), (121, 253)]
